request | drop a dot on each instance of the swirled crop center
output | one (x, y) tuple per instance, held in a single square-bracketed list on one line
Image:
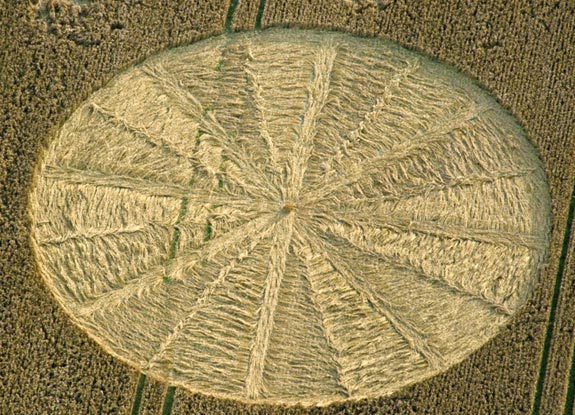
[(290, 216)]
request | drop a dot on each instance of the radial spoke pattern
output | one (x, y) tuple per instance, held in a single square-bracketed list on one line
[(317, 95), (291, 216), (405, 329), (359, 240), (304, 254), (433, 186), (205, 295), (278, 255), (490, 236), (137, 132)]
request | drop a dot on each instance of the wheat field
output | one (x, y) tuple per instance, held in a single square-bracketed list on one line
[(503, 362)]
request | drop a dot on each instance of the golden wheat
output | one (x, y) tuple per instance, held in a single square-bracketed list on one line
[(291, 216)]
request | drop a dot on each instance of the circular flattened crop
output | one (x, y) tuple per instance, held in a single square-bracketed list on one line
[(291, 216)]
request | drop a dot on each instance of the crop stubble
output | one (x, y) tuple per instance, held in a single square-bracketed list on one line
[(522, 53)]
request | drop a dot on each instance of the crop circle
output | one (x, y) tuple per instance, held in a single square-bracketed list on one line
[(290, 216)]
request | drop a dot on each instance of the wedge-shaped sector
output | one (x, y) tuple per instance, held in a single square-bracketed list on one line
[(210, 345), (370, 340), (302, 347), (291, 216)]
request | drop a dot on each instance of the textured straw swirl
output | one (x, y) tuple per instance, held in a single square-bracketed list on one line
[(291, 216)]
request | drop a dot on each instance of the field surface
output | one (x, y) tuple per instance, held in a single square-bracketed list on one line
[(54, 54)]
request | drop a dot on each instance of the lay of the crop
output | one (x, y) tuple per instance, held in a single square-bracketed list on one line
[(291, 216)]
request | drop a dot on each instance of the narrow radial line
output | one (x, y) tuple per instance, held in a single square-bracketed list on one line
[(256, 185), (417, 271), (370, 116), (437, 133), (94, 178), (233, 238), (443, 230), (256, 91), (114, 298), (318, 91), (183, 99), (382, 102), (139, 132), (411, 335), (326, 332), (191, 256), (455, 182), (192, 107), (406, 149), (206, 294), (174, 270), (258, 353), (89, 234), (398, 153)]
